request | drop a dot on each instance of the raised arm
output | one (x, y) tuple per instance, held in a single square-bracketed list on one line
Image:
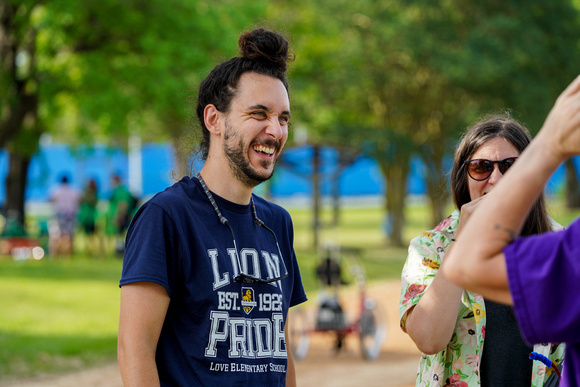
[(477, 261), (143, 309)]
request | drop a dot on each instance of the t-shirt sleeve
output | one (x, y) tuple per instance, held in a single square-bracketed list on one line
[(151, 248), (544, 279), (298, 293)]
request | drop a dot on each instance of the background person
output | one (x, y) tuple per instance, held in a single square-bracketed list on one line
[(210, 270), (539, 274), (122, 207), (65, 202), (87, 217), (464, 337)]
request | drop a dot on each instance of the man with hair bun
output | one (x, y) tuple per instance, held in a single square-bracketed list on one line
[(209, 271)]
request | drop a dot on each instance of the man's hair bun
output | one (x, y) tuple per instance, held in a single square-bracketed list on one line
[(267, 45), (263, 52)]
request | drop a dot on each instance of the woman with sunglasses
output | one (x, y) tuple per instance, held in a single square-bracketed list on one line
[(449, 324)]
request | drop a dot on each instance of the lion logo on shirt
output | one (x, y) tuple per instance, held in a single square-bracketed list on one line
[(248, 299)]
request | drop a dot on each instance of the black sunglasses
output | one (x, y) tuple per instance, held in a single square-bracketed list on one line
[(481, 169)]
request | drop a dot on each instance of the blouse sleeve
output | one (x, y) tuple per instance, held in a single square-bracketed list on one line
[(423, 262)]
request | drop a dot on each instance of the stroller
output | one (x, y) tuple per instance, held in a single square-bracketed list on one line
[(330, 316)]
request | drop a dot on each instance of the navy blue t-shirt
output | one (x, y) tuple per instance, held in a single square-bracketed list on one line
[(216, 330)]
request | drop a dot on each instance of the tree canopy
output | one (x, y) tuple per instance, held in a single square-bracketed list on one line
[(389, 78), (397, 79), (96, 71)]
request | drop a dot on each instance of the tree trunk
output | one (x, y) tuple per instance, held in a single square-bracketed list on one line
[(346, 157), (181, 157), (572, 186), (396, 175), (436, 185), (19, 128), (336, 200), (182, 143), (316, 195), (16, 186)]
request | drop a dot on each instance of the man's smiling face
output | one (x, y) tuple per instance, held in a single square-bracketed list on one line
[(256, 127)]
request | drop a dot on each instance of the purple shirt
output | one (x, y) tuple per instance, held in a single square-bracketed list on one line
[(544, 279)]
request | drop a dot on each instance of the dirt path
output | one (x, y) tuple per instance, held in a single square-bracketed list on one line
[(395, 366)]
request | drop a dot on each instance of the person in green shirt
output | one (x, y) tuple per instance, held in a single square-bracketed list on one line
[(87, 217), (122, 207)]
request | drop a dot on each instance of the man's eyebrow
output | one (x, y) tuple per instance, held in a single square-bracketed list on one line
[(266, 108), (259, 107)]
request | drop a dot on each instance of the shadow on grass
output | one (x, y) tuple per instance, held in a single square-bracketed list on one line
[(23, 356)]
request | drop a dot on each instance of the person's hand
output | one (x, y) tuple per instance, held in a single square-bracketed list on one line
[(466, 211), (561, 130)]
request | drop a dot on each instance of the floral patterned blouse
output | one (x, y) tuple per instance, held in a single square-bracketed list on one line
[(458, 364)]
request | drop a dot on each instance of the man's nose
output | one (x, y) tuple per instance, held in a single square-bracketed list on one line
[(274, 128)]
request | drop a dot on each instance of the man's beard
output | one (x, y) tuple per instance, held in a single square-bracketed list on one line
[(240, 163)]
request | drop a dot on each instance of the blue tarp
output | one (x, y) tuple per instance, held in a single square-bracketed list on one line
[(292, 177)]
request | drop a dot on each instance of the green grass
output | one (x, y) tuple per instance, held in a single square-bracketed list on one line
[(59, 315)]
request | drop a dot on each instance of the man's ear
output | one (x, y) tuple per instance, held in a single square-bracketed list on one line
[(212, 118)]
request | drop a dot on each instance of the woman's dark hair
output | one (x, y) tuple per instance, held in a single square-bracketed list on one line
[(497, 126), (263, 52)]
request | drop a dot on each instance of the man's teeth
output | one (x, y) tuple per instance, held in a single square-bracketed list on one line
[(263, 149)]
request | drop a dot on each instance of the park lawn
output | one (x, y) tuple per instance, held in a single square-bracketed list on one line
[(60, 315), (359, 229), (57, 315)]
